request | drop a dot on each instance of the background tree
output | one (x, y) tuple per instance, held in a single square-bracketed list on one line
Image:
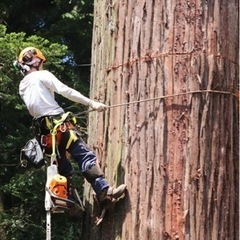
[(178, 154), (22, 214), (62, 21), (22, 190)]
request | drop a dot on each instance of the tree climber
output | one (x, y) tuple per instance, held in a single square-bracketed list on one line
[(37, 91)]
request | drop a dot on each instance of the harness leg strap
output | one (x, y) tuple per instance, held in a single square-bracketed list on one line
[(72, 138)]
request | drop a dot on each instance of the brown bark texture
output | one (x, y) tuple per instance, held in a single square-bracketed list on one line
[(175, 141)]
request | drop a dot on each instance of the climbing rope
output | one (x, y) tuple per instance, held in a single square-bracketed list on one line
[(169, 96), (162, 97)]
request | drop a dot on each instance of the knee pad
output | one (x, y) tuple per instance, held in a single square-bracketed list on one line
[(93, 173)]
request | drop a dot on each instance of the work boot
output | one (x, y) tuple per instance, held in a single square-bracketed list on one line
[(116, 192), (110, 194)]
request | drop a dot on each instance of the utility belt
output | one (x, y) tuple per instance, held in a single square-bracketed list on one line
[(46, 126)]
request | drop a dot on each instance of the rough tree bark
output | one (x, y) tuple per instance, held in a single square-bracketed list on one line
[(178, 154)]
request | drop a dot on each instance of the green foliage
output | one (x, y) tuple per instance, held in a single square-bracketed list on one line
[(24, 217), (62, 29), (25, 211), (62, 21), (23, 190), (12, 128)]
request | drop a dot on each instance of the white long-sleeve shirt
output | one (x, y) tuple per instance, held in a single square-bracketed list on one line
[(37, 91)]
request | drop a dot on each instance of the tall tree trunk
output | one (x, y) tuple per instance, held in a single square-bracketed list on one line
[(177, 148)]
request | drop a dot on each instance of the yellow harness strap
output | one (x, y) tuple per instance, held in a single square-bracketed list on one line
[(71, 139), (57, 123)]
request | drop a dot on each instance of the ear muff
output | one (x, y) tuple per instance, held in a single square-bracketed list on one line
[(26, 67), (16, 65), (21, 67)]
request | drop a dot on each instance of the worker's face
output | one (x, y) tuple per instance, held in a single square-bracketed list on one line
[(38, 64)]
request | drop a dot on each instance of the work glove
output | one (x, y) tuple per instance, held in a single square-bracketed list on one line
[(97, 106)]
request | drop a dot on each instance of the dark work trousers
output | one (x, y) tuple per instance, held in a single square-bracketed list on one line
[(85, 158)]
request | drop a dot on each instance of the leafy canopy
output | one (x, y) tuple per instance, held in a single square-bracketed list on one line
[(23, 189), (65, 28)]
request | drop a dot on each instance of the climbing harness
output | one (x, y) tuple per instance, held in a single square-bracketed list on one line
[(56, 128), (56, 186)]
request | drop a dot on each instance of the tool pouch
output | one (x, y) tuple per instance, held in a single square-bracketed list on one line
[(32, 154)]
